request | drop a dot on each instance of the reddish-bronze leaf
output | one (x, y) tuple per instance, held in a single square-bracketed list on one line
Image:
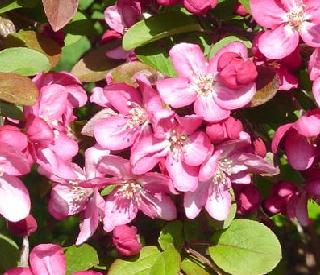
[(94, 65), (267, 86), (17, 89), (60, 12), (126, 72)]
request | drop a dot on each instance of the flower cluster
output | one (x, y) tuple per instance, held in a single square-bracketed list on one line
[(168, 147)]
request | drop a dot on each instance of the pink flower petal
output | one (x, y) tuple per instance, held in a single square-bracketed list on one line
[(113, 133), (232, 99), (19, 271), (310, 34), (208, 169), (90, 218), (267, 13), (15, 202), (158, 205), (12, 162), (206, 107), (188, 60), (114, 19), (184, 177), (189, 123), (313, 10), (176, 91), (196, 149), (64, 146), (120, 94), (93, 155), (284, 37), (194, 201), (278, 136), (48, 259), (155, 182), (115, 166), (115, 214), (218, 205), (308, 126), (300, 153)]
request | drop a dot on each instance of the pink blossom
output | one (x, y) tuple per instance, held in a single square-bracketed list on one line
[(284, 68), (125, 239), (122, 15), (231, 162), (147, 193), (240, 10), (46, 259), (57, 111), (15, 202), (287, 199), (285, 22), (298, 139), (78, 194), (181, 144), (199, 82), (116, 131)]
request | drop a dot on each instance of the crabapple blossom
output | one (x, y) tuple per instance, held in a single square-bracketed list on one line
[(232, 162), (147, 193), (299, 140), (181, 144), (23, 227), (286, 22), (46, 259), (206, 84)]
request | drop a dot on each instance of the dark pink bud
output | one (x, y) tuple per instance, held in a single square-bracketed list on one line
[(24, 227), (168, 2), (233, 127), (199, 6), (240, 10), (216, 132), (125, 240), (248, 199), (236, 72), (285, 189), (110, 35), (260, 148)]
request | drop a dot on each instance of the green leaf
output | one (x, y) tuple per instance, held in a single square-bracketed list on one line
[(313, 210), (190, 267), (23, 61), (157, 27), (9, 252), (140, 265), (149, 262), (167, 263), (226, 40), (81, 258), (156, 55), (10, 110), (171, 235), (8, 5), (246, 247)]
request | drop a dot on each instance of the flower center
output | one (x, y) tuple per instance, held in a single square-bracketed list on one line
[(176, 140), (79, 195), (204, 84), (223, 172), (138, 115), (296, 16), (130, 191)]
